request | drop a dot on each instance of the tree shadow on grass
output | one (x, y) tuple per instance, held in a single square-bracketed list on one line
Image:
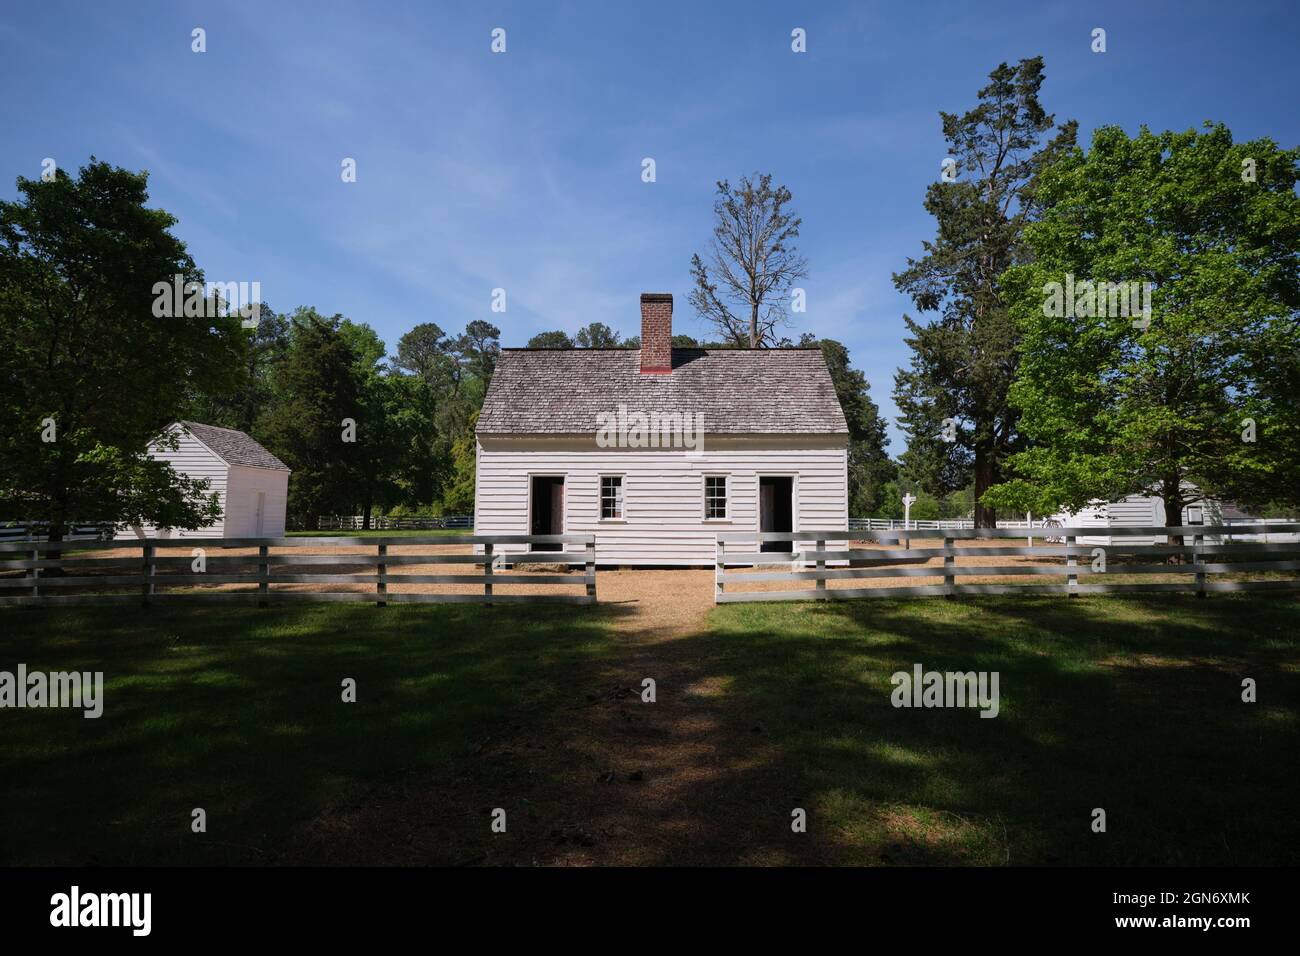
[(1128, 705), (1131, 705), (240, 712)]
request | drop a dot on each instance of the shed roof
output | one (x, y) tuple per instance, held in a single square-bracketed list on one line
[(233, 447), (738, 391)]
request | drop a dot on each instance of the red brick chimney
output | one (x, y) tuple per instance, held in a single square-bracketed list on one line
[(656, 333)]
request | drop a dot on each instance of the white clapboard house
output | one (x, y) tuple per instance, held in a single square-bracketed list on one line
[(655, 450), (251, 483)]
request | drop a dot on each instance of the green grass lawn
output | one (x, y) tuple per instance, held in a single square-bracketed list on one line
[(239, 711), (1129, 704)]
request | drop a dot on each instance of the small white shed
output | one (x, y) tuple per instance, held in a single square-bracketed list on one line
[(251, 483)]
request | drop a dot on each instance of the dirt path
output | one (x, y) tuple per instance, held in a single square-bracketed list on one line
[(649, 758)]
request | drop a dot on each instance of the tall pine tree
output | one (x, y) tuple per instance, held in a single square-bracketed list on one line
[(953, 396)]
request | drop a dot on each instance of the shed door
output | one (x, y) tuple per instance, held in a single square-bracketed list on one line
[(547, 510), (776, 510)]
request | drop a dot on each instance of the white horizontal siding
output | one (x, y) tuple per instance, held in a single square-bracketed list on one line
[(1134, 511), (663, 494), (192, 459)]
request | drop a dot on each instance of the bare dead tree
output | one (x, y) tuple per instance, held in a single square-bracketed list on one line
[(753, 263)]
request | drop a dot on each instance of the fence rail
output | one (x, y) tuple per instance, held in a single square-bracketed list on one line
[(381, 523), (39, 531), (1191, 545), (930, 524), (50, 572)]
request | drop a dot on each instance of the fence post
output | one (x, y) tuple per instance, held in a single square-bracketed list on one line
[(949, 562), (1198, 562), (1071, 579), (591, 569), (381, 577), (146, 589), (263, 575), (821, 566), (36, 574), (719, 567), (487, 572)]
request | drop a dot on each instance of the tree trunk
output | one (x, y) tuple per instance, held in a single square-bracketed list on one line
[(1171, 492), (54, 549), (753, 325), (365, 513), (985, 517)]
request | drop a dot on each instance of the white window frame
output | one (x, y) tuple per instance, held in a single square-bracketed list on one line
[(622, 498), (726, 498)]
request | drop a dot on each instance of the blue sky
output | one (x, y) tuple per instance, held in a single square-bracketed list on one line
[(523, 170)]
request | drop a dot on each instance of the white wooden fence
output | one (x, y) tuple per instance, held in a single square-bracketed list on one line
[(932, 524), (382, 523), (1199, 543), (1049, 526), (39, 531), (100, 578)]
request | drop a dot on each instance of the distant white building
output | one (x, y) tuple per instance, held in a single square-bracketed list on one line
[(1138, 511), (251, 484)]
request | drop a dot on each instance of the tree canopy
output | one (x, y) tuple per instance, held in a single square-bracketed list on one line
[(89, 374), (1200, 388)]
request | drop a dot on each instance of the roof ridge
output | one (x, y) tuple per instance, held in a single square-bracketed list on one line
[(223, 428)]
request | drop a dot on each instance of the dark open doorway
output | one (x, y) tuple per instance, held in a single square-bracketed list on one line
[(776, 510), (547, 510)]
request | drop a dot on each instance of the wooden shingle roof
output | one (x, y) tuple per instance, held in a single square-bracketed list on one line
[(233, 447), (739, 391)]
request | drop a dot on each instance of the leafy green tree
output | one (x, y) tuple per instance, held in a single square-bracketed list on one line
[(477, 349), (381, 443), (425, 351), (365, 343), (459, 495), (953, 395), (1204, 388), (316, 390), (262, 351), (869, 465), (753, 263), (89, 375), (925, 508), (597, 335), (551, 340), (679, 342)]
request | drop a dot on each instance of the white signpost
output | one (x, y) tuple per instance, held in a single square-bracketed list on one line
[(908, 501)]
